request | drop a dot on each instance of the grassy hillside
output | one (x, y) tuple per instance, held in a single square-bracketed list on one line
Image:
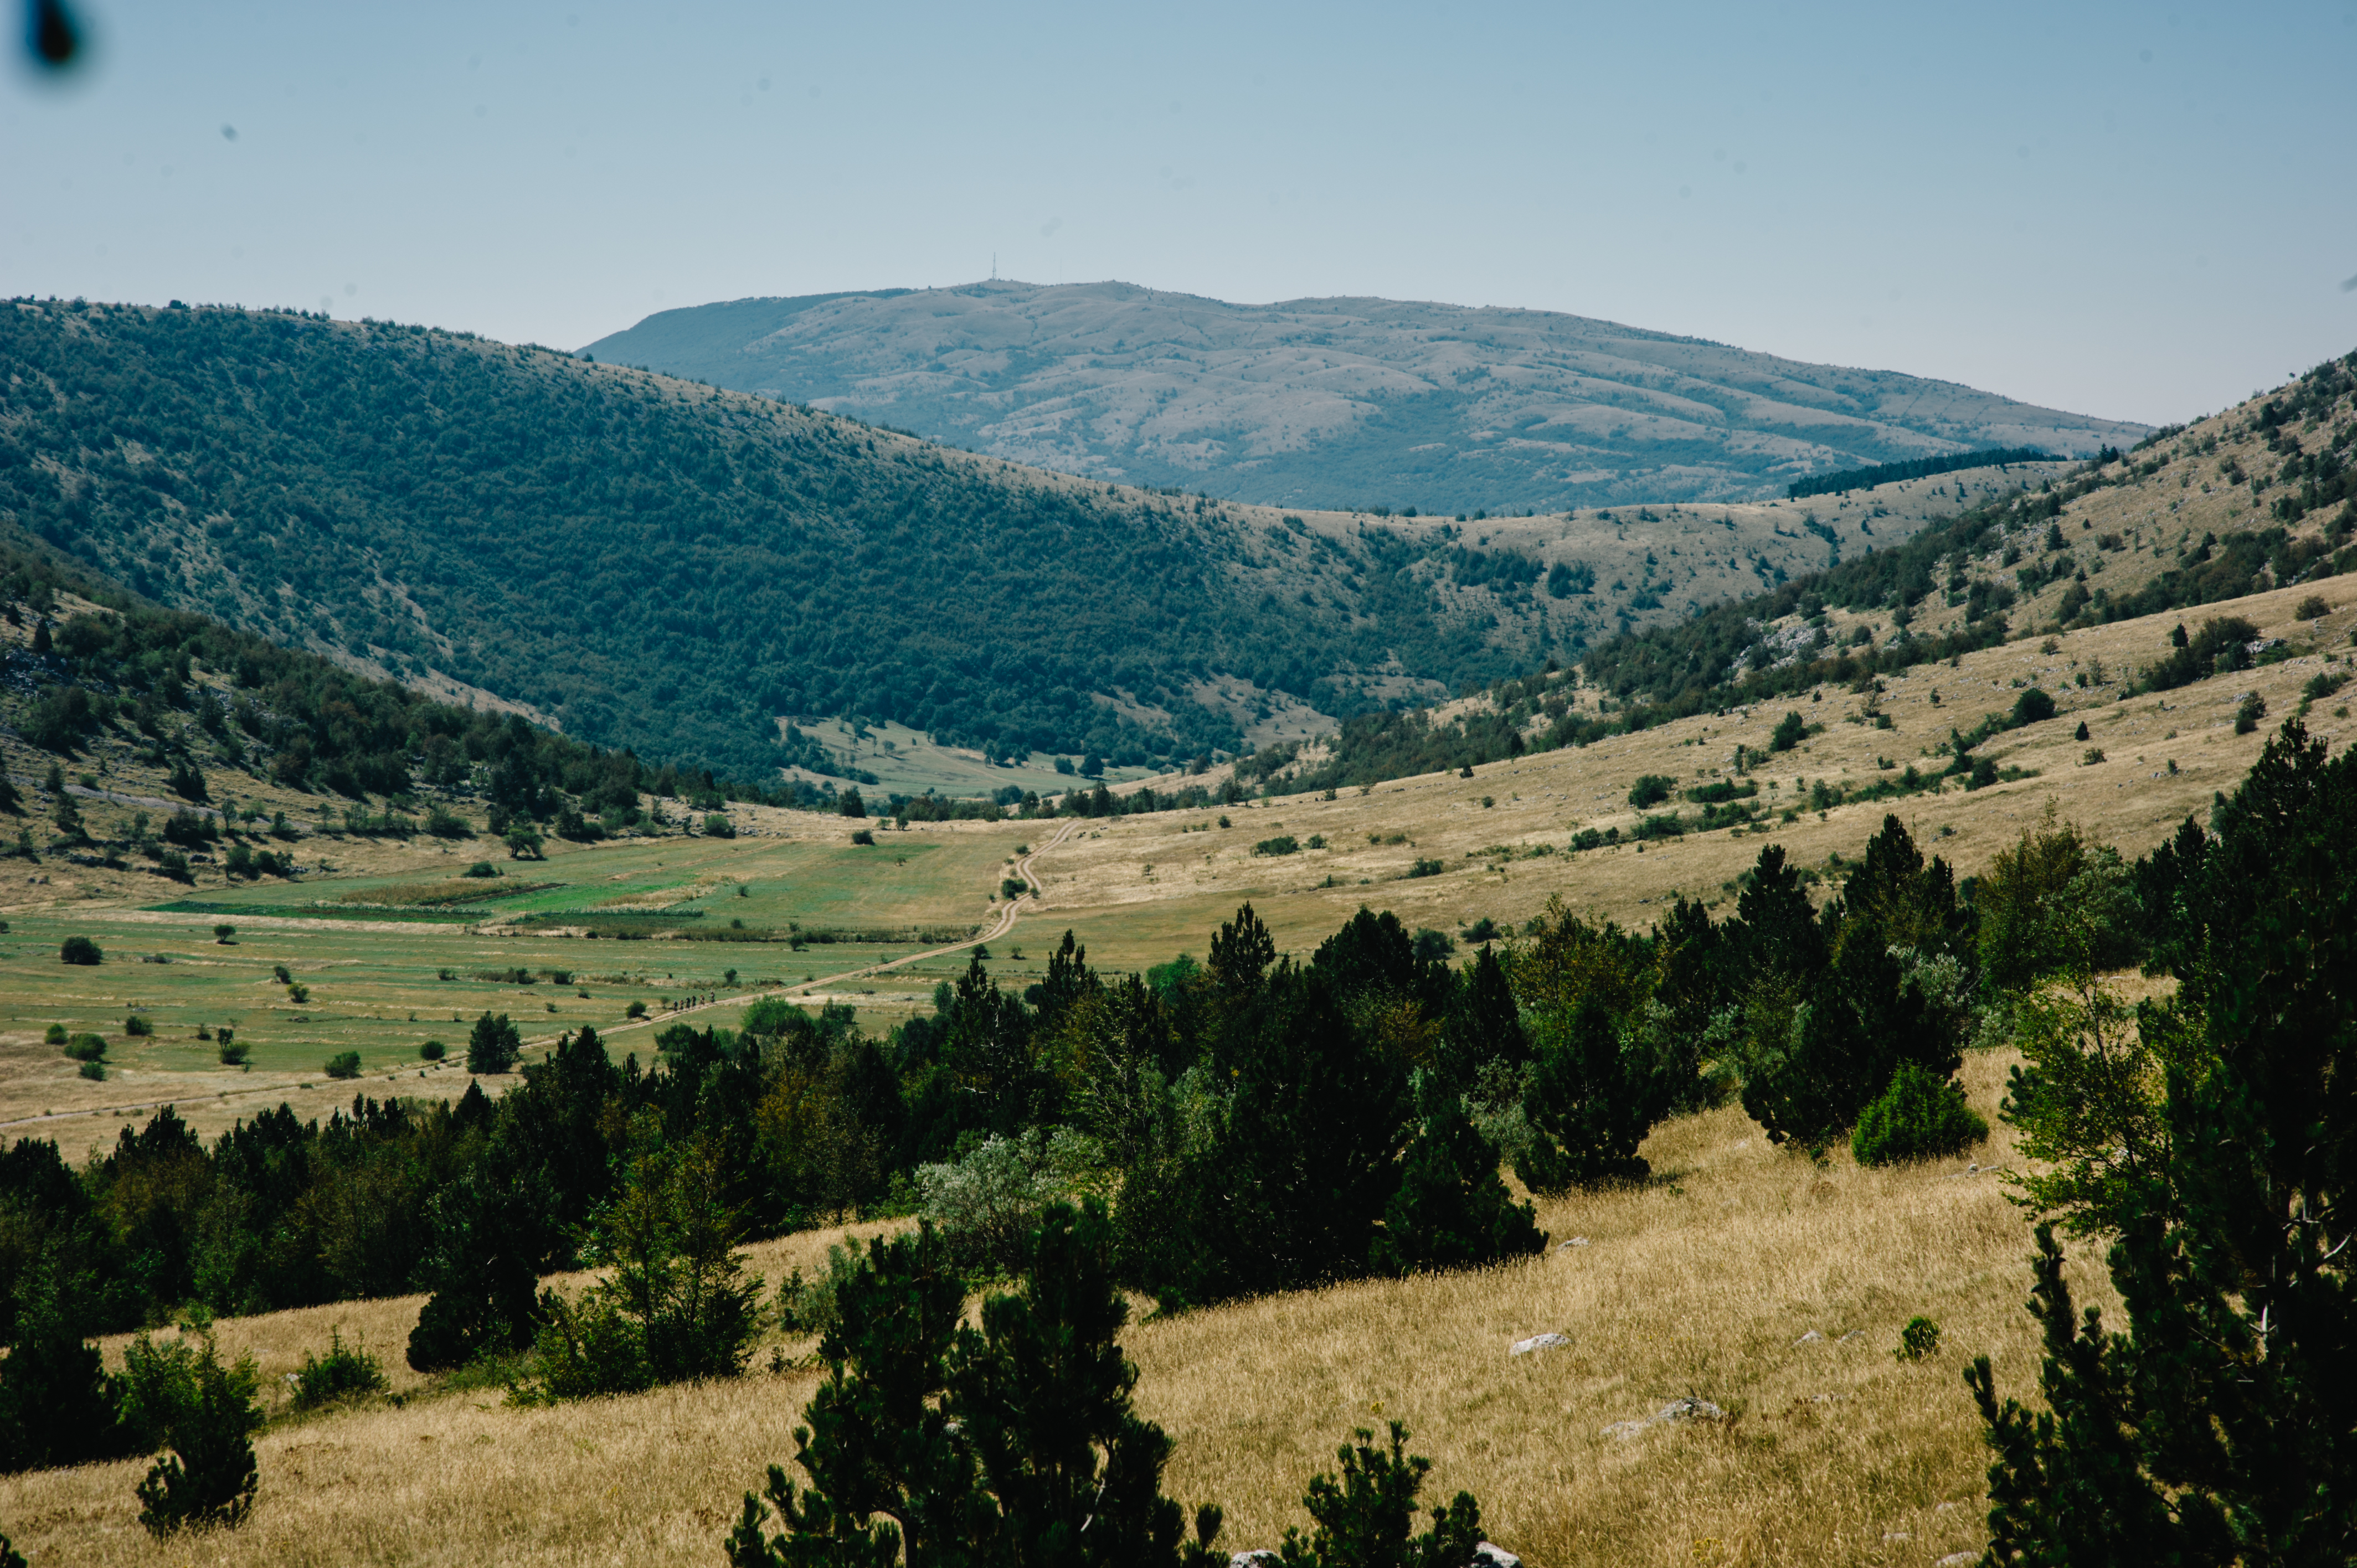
[(1701, 1285), (1336, 402)]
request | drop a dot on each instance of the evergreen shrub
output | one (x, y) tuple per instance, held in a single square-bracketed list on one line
[(344, 1372), (1921, 1116), (209, 1477)]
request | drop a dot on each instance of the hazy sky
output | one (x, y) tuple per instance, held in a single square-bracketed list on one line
[(2119, 209)]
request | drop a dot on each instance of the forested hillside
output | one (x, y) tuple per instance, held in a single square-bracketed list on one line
[(1338, 403), (659, 564)]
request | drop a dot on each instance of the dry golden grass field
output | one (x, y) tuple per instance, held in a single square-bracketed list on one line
[(1703, 1284)]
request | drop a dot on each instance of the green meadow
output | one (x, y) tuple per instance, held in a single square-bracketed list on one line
[(380, 964)]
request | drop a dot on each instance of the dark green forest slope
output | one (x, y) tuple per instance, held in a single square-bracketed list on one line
[(663, 565)]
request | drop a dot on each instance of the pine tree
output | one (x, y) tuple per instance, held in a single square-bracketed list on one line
[(1452, 1211), (1013, 1446), (1835, 1004), (58, 1404), (1484, 1025), (68, 817), (1242, 951), (482, 1273), (2222, 1425), (1590, 1102), (209, 1476), (493, 1045), (1363, 1520)]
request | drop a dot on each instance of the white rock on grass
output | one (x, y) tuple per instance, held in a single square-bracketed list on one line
[(1958, 1560), (1810, 1337), (1690, 1409), (1262, 1559), (1489, 1554), (1538, 1342), (1673, 1413)]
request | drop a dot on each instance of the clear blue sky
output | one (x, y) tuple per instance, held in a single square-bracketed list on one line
[(2131, 211)]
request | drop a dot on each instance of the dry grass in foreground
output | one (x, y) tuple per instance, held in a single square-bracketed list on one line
[(1699, 1285)]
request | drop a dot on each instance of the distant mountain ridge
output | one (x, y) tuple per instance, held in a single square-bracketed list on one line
[(1336, 402)]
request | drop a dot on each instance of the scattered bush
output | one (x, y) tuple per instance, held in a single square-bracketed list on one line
[(987, 1204), (2312, 607), (864, 836), (1423, 868), (2033, 706), (432, 1051), (298, 994), (81, 950), (344, 1372), (635, 1010), (481, 868), (137, 1026), (344, 1064), (444, 823), (1921, 1116), (281, 974), (1790, 731), (94, 1071), (1919, 1339), (1652, 788), (814, 1306), (718, 826), (86, 1047), (231, 1053), (1284, 843), (54, 1035), (2247, 716), (224, 934), (1012, 888)]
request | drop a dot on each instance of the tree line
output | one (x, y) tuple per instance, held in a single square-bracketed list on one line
[(1866, 478)]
